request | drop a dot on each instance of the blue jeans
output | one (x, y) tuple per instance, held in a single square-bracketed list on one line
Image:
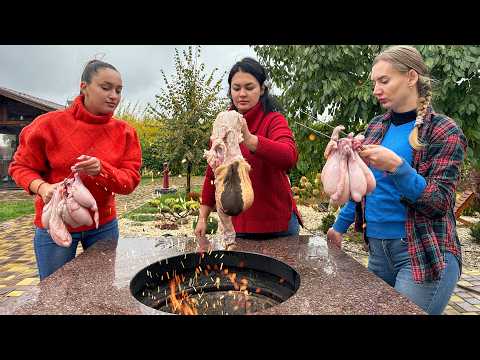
[(51, 257), (389, 260), (293, 229)]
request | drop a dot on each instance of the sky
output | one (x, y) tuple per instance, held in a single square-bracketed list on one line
[(52, 72)]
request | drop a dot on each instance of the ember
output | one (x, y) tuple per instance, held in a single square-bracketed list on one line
[(230, 287)]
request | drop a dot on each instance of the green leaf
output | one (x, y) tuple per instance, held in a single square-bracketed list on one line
[(469, 152), (429, 62), (475, 134)]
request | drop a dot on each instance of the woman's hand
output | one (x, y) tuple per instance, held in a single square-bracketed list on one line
[(90, 165), (249, 140), (381, 158), (201, 228), (335, 237), (200, 231), (47, 190)]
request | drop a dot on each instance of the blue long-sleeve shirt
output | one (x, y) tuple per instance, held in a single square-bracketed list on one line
[(384, 213)]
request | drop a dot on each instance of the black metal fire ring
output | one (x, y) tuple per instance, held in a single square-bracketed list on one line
[(267, 281)]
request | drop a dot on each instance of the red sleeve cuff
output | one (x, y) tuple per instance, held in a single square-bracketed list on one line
[(106, 175)]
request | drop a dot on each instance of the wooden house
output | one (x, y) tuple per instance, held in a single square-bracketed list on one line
[(16, 111)]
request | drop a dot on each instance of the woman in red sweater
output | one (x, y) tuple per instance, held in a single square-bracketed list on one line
[(271, 151), (84, 138)]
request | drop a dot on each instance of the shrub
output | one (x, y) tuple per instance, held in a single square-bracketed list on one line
[(475, 232), (310, 192), (327, 222)]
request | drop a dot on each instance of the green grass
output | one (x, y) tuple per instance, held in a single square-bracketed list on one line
[(141, 217), (148, 179), (14, 209)]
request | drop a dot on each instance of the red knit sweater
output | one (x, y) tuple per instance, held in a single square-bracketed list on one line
[(276, 153), (50, 145)]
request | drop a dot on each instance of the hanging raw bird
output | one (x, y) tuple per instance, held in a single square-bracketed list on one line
[(70, 205), (233, 188), (345, 175)]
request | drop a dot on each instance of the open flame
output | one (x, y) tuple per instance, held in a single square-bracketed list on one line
[(184, 303)]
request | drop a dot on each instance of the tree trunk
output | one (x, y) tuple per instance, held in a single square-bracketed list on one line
[(189, 173)]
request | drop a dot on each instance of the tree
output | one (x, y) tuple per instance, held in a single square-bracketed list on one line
[(149, 129), (187, 107), (313, 78)]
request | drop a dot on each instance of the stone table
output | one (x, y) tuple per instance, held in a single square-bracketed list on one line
[(98, 281)]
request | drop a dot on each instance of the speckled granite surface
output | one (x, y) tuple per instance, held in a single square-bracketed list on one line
[(98, 281)]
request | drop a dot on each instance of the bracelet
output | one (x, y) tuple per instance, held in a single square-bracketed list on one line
[(39, 186)]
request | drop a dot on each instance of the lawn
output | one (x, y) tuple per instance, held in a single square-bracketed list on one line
[(13, 209)]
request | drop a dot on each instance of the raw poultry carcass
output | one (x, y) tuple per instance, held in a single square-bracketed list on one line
[(233, 188), (69, 206), (345, 175)]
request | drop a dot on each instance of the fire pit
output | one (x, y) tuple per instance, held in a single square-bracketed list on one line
[(216, 283)]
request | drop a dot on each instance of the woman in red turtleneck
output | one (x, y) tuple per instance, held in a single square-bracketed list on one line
[(271, 151), (86, 138)]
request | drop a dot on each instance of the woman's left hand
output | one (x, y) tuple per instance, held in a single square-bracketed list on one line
[(380, 157), (90, 165), (250, 140)]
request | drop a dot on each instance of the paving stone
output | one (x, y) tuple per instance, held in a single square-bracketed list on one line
[(16, 293), (6, 301), (467, 307), (473, 301), (33, 281), (456, 299), (466, 295), (457, 308), (451, 312), (6, 290)]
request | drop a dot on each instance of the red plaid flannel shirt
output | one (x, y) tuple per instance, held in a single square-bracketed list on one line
[(430, 224)]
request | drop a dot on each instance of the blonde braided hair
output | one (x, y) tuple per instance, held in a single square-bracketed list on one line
[(405, 58)]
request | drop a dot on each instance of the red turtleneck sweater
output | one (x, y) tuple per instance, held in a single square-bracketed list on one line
[(276, 153), (50, 145)]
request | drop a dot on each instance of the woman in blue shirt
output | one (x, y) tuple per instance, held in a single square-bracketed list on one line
[(415, 155)]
